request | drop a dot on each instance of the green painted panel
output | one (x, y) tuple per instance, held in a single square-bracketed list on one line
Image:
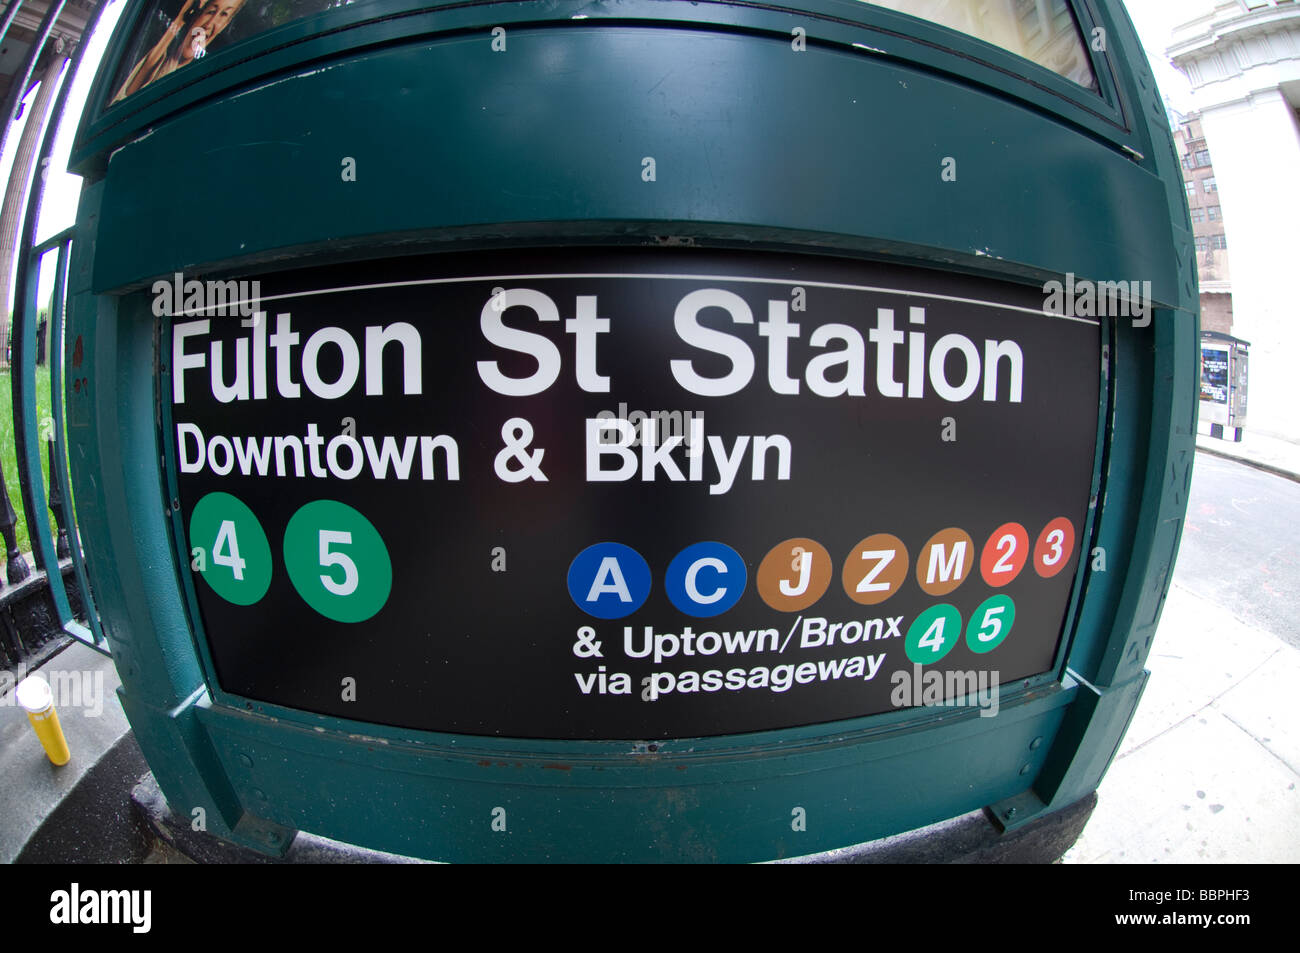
[(447, 135)]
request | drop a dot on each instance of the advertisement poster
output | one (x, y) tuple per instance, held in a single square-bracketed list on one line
[(1214, 374), (176, 33)]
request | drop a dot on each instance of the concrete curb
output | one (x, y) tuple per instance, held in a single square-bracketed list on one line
[(1255, 464), (95, 823)]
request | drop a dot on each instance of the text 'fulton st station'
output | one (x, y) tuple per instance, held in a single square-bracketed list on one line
[(274, 360)]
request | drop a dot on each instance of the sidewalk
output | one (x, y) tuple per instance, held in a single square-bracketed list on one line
[(30, 786), (1258, 450), (1208, 769)]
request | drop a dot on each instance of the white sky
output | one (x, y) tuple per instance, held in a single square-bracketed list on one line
[(1153, 19)]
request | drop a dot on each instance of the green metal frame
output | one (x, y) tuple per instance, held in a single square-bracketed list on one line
[(38, 519), (29, 433), (732, 119)]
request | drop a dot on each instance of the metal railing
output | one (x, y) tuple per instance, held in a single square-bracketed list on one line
[(38, 607), (42, 607)]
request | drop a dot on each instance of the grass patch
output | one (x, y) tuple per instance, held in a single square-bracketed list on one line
[(9, 451)]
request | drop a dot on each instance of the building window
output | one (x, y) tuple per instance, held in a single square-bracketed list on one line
[(1198, 215), (1202, 243), (1191, 189), (1219, 241), (1043, 31), (1209, 184), (1203, 157), (1215, 213)]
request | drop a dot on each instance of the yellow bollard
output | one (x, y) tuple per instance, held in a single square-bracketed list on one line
[(35, 696)]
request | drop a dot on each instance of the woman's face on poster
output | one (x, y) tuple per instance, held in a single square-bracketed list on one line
[(215, 17)]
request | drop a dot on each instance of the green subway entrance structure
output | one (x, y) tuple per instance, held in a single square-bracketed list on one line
[(627, 431)]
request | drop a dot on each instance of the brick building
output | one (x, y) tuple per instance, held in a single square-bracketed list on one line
[(1207, 222)]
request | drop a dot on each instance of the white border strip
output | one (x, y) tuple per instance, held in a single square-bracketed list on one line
[(605, 274)]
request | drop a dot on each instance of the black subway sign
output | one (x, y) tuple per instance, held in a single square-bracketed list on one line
[(626, 493)]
